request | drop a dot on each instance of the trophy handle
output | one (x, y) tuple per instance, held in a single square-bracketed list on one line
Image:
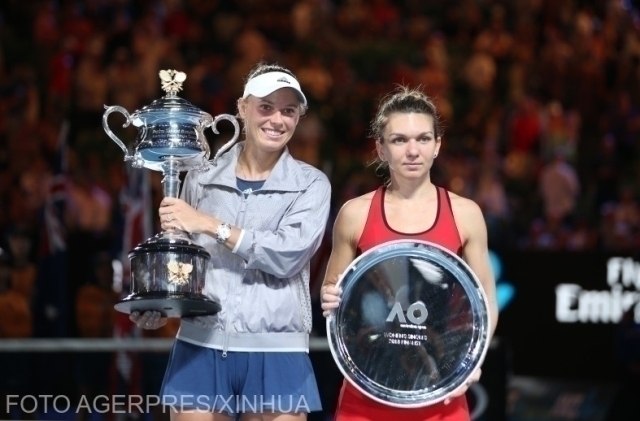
[(236, 132), (105, 125), (233, 121)]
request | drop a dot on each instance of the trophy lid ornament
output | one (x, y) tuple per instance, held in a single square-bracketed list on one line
[(172, 81)]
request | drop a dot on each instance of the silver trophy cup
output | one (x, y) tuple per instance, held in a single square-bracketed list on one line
[(168, 270), (412, 325)]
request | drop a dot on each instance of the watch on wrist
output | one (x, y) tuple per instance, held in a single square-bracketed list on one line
[(223, 232)]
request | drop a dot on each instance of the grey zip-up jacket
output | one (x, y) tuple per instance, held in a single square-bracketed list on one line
[(263, 285)]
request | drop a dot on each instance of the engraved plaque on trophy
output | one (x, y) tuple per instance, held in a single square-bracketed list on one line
[(412, 325), (168, 270)]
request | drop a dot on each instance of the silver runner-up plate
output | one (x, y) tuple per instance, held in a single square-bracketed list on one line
[(412, 325)]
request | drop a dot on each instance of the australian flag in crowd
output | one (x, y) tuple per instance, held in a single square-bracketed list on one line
[(135, 202), (136, 227), (50, 302)]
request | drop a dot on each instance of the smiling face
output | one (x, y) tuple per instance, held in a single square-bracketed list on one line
[(270, 121), (409, 145)]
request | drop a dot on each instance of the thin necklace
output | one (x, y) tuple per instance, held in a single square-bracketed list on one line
[(241, 170), (240, 166)]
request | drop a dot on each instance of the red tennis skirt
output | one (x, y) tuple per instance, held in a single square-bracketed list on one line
[(355, 406)]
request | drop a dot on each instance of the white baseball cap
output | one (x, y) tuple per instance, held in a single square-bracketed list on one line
[(267, 83)]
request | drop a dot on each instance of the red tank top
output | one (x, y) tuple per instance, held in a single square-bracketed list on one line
[(354, 405), (443, 232)]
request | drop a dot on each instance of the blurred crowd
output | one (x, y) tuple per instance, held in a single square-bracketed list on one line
[(540, 101)]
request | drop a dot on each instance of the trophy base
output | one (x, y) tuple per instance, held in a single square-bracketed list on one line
[(169, 304)]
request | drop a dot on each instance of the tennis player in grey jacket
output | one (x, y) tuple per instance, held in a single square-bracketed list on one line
[(261, 215)]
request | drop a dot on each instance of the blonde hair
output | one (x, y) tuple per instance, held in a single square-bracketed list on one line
[(258, 69), (262, 68)]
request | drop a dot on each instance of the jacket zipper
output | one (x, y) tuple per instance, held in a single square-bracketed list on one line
[(231, 313)]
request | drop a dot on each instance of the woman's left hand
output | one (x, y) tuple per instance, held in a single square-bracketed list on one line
[(149, 320), (330, 297), (177, 214), (475, 377)]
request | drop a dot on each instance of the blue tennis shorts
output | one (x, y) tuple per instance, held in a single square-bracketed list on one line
[(199, 378)]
